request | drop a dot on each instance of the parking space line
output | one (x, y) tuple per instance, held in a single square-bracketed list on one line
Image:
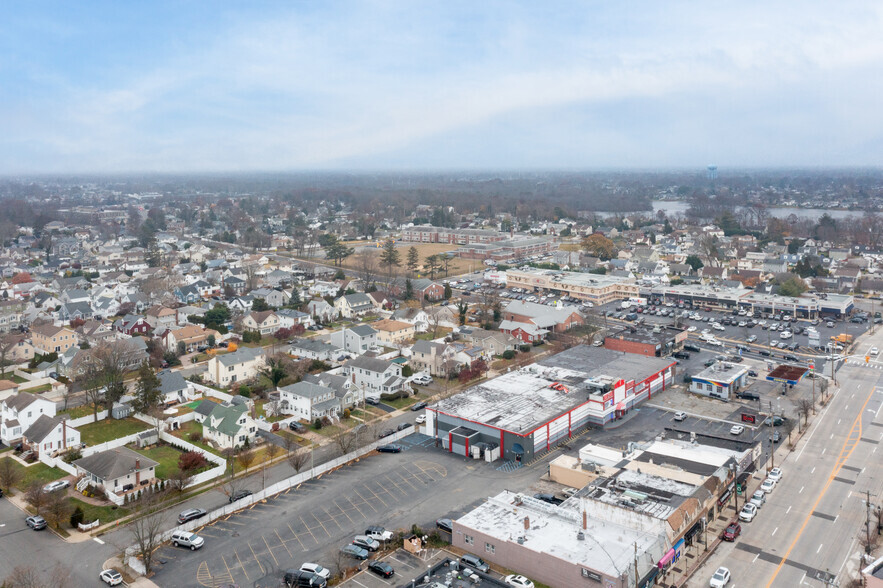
[(296, 537), (406, 480), (310, 531), (255, 556), (399, 488), (333, 518), (269, 549), (228, 567), (241, 565), (355, 506), (324, 528), (204, 534), (282, 541), (345, 513)]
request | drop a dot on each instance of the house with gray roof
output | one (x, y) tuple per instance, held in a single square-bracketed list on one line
[(321, 310), (229, 426), (175, 389), (351, 305), (49, 435), (309, 401), (117, 470), (230, 368), (357, 340), (375, 376), (315, 349)]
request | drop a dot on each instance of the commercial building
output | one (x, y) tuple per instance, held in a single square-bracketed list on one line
[(720, 380), (528, 411), (594, 288), (431, 234), (650, 342), (507, 249)]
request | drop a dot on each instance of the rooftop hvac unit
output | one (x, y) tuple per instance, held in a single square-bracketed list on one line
[(580, 536)]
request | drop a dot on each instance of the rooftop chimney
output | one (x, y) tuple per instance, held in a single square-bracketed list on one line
[(585, 521), (526, 523)]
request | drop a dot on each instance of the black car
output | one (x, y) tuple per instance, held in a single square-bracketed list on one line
[(681, 355), (764, 352), (550, 498), (776, 421), (404, 426), (239, 495), (790, 357), (296, 427), (692, 348), (747, 396), (386, 433), (445, 525), (382, 569), (419, 406), (190, 514), (776, 437), (390, 449), (304, 579), (710, 362), (752, 373)]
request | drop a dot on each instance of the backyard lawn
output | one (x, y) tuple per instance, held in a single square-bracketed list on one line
[(109, 429), (38, 472), (76, 412), (401, 402), (104, 514), (166, 455), (193, 427)]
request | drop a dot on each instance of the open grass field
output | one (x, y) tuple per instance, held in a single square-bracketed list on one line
[(456, 266)]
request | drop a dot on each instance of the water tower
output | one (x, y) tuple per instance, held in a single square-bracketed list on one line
[(711, 172)]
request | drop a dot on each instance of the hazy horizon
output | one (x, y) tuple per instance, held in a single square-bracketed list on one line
[(380, 87)]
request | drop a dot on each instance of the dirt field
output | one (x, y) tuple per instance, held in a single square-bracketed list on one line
[(457, 266)]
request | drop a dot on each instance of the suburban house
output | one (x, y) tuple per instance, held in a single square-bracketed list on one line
[(321, 310), (8, 388), (274, 298), (193, 336), (131, 325), (525, 332), (315, 349), (425, 289), (352, 305), (265, 322), (18, 348), (49, 338), (50, 434), (229, 426), (436, 359), (392, 332), (348, 395), (21, 411), (72, 311), (96, 332), (174, 388), (161, 317), (117, 470), (413, 316), (308, 401), (358, 339), (241, 365), (493, 342), (553, 318), (288, 317), (375, 376)]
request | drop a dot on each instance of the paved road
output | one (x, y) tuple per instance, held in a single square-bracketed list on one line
[(811, 521)]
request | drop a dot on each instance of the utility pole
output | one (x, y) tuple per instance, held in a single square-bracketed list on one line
[(868, 521), (636, 564), (772, 448)]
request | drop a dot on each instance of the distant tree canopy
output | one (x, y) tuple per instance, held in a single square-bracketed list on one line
[(791, 285), (599, 246)]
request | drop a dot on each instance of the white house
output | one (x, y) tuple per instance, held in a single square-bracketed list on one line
[(229, 426), (375, 376), (321, 310), (21, 411), (351, 305), (414, 316), (288, 317), (174, 388), (241, 365), (315, 349), (320, 288), (358, 339), (49, 435), (265, 322), (118, 470), (308, 401)]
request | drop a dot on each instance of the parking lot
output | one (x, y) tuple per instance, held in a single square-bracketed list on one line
[(311, 522)]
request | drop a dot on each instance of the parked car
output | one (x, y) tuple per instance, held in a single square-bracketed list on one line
[(776, 437), (354, 551), (58, 485), (366, 542), (36, 522), (736, 429), (748, 512), (382, 569), (190, 514), (693, 348), (404, 426), (752, 373), (303, 579), (680, 416), (768, 485), (445, 525), (518, 581), (475, 562), (391, 448), (732, 531), (747, 395), (187, 539), (378, 533), (758, 498), (296, 427), (419, 406), (776, 421), (239, 495), (681, 355), (111, 577), (720, 578), (422, 380), (775, 474), (372, 400), (420, 419), (316, 569), (386, 433)]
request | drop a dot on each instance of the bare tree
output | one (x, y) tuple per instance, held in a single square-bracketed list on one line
[(7, 348), (179, 479), (147, 529), (345, 441), (708, 250), (366, 265), (245, 458), (804, 407), (100, 374), (57, 509), (252, 280), (28, 577), (272, 450), (10, 475), (35, 496), (297, 459)]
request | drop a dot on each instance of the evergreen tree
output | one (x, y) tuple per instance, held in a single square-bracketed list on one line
[(409, 290), (147, 390), (448, 292), (390, 256), (413, 259)]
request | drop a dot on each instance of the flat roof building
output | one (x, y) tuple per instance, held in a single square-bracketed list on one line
[(720, 380), (526, 412), (595, 288)]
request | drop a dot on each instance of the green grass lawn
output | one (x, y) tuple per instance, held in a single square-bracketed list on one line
[(38, 472), (166, 455), (109, 429), (39, 389), (193, 427), (302, 441), (79, 411), (104, 514), (13, 378), (401, 402)]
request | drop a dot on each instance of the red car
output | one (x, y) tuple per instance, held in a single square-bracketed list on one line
[(733, 531)]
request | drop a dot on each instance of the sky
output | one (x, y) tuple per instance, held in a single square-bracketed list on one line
[(187, 86)]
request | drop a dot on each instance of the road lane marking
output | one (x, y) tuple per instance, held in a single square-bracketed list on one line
[(813, 471), (774, 531), (296, 537), (801, 489), (95, 539), (789, 507), (228, 567), (823, 450), (820, 547), (846, 452), (755, 557), (282, 541)]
